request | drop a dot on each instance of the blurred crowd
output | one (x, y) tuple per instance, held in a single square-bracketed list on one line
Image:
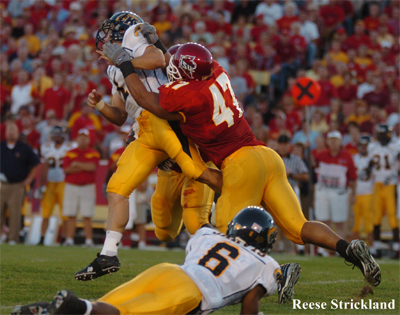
[(351, 47)]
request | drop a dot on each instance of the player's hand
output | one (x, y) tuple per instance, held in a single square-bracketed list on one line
[(149, 32), (104, 57), (115, 53), (93, 98)]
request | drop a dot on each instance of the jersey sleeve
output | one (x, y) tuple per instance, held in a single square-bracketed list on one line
[(269, 277), (134, 42)]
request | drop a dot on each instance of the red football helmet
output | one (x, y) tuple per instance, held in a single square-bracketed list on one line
[(191, 61), (172, 50)]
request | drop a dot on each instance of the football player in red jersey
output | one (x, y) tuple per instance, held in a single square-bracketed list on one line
[(201, 98)]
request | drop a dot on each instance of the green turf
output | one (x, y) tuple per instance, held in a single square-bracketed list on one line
[(30, 274)]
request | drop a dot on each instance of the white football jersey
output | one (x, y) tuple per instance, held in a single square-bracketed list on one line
[(54, 158), (384, 158), (364, 187), (135, 44), (225, 270)]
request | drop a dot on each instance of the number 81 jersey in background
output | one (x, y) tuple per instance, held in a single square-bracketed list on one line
[(384, 158), (225, 270), (212, 116)]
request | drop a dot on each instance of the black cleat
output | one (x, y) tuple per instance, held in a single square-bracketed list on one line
[(361, 257), (290, 275), (101, 266), (65, 302), (39, 308)]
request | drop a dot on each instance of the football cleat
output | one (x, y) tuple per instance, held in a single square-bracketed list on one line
[(39, 308), (361, 257), (290, 275), (65, 302), (101, 266)]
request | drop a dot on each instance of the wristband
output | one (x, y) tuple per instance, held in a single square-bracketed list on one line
[(100, 105), (160, 46), (127, 68)]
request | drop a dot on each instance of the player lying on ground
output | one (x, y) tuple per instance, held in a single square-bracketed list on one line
[(201, 98), (177, 198), (219, 270)]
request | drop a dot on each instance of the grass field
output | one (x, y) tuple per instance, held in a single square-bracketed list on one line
[(30, 274)]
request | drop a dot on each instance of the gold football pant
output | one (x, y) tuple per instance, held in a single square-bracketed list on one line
[(156, 142), (363, 210), (179, 199), (384, 199), (162, 289), (53, 195), (254, 176)]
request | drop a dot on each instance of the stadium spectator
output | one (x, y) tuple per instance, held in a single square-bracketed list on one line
[(379, 96), (289, 16), (332, 15), (335, 186), (366, 86), (244, 8), (318, 122), (328, 91), (21, 93), (347, 91), (201, 33), (260, 130), (18, 168), (80, 165), (29, 131), (45, 126), (372, 21), (270, 11), (305, 137), (351, 143), (56, 98), (309, 31)]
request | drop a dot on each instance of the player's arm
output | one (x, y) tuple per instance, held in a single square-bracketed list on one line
[(152, 58), (145, 99), (251, 301), (150, 33), (114, 113)]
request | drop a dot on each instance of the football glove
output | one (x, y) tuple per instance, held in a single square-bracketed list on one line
[(149, 32), (115, 53)]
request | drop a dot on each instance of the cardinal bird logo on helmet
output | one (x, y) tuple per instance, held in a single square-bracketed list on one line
[(187, 64)]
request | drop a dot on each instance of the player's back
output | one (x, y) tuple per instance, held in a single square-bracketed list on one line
[(212, 114), (225, 270), (364, 185)]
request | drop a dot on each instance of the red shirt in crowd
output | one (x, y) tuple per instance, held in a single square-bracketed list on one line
[(335, 171), (286, 51), (347, 93), (353, 42), (371, 23), (88, 155), (381, 99), (351, 148), (56, 99), (332, 15), (87, 122), (285, 22), (328, 91)]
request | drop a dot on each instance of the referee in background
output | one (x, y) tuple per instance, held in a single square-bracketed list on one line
[(296, 170)]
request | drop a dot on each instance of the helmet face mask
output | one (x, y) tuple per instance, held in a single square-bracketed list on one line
[(58, 134), (255, 226), (114, 28), (191, 61), (383, 134)]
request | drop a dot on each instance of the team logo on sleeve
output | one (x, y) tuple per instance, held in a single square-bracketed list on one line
[(188, 65)]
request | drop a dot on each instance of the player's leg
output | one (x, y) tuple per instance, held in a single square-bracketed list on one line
[(244, 178), (48, 202), (70, 211), (60, 200), (162, 289), (88, 202), (282, 203), (166, 209), (389, 194), (358, 216), (134, 165), (367, 214), (166, 138), (197, 200), (377, 204)]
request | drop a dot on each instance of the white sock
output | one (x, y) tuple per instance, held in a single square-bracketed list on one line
[(396, 247), (377, 245), (89, 307), (300, 247), (110, 247)]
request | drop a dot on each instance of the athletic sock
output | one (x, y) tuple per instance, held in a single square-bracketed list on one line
[(395, 232), (78, 307), (110, 247), (341, 247), (89, 307)]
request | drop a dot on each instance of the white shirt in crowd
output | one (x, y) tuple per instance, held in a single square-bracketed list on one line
[(271, 13)]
